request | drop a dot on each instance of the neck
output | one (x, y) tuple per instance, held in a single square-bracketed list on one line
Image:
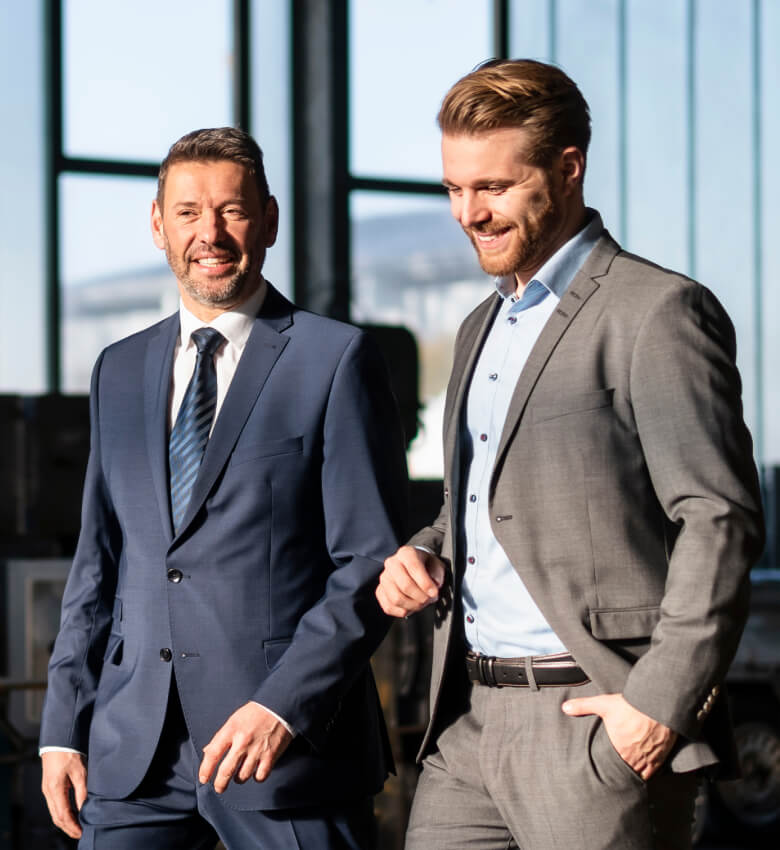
[(570, 225), (208, 312)]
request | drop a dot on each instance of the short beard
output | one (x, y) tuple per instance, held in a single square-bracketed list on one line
[(540, 225), (216, 293)]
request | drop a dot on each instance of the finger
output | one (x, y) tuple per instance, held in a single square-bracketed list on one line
[(391, 608), (263, 769), (61, 813), (437, 571), (80, 788), (403, 589), (247, 769), (212, 754), (229, 767), (582, 706), (418, 566)]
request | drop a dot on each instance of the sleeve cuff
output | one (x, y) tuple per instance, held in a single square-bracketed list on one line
[(42, 750), (280, 719)]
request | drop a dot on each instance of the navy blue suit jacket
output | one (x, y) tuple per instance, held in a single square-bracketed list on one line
[(299, 498)]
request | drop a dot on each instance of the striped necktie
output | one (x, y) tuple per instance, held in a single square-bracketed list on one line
[(191, 431)]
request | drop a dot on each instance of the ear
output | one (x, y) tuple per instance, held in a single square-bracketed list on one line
[(572, 168), (270, 222), (158, 234)]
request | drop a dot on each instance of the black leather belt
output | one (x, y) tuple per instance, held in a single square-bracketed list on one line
[(549, 671)]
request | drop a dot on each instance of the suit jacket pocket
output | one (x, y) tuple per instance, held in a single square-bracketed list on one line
[(577, 403), (623, 623), (274, 650), (267, 448)]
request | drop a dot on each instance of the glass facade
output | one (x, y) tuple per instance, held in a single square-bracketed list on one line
[(684, 122)]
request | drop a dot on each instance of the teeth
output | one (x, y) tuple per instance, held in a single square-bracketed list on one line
[(210, 261), (490, 237)]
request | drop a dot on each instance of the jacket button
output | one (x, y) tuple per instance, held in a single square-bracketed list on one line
[(175, 576), (165, 654)]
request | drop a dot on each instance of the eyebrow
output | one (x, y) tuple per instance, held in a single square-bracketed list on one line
[(236, 200)]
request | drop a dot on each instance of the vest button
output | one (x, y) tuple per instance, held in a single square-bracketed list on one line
[(175, 576), (165, 654)]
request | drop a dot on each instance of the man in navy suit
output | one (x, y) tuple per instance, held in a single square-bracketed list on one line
[(211, 675)]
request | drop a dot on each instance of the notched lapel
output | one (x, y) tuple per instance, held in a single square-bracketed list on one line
[(157, 384), (580, 290), (263, 348)]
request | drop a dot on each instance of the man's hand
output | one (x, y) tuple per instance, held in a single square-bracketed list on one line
[(409, 582), (251, 741), (642, 743), (61, 772)]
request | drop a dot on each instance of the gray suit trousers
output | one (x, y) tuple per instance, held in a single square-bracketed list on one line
[(512, 771)]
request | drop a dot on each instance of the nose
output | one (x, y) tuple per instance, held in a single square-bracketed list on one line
[(471, 209), (209, 226)]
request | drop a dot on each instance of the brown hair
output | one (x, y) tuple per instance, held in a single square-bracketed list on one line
[(214, 145), (523, 93)]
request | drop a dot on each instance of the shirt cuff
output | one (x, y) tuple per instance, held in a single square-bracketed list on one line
[(280, 719), (42, 750)]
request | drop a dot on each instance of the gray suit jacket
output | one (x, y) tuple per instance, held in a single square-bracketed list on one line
[(624, 491)]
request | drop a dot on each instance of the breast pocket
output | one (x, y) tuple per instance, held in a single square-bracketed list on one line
[(570, 404), (267, 448)]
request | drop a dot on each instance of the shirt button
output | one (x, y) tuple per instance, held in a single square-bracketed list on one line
[(512, 320), (472, 559), (165, 654), (472, 498), (493, 376), (469, 619), (175, 576), (483, 437)]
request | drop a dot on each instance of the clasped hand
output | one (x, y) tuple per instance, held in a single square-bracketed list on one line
[(410, 581)]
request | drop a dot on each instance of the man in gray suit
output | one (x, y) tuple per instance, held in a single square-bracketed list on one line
[(589, 566)]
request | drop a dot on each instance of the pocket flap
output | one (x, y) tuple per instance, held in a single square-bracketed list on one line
[(274, 650), (578, 403), (622, 623), (268, 448)]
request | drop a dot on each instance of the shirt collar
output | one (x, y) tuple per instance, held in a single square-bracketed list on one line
[(559, 271), (235, 325)]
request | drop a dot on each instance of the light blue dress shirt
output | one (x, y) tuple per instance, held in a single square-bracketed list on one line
[(501, 618)]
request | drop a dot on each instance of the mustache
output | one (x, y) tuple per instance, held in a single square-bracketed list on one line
[(216, 250), (487, 229)]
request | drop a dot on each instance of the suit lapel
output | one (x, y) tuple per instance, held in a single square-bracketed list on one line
[(580, 290), (262, 350), (157, 384), (473, 334)]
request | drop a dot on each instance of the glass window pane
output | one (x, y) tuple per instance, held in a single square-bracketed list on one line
[(115, 281), (530, 29), (770, 116), (271, 83), (139, 75), (724, 173), (413, 266), (22, 211), (404, 57), (587, 50), (657, 132)]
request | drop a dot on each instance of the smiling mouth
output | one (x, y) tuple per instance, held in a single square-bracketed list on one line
[(490, 238), (212, 261)]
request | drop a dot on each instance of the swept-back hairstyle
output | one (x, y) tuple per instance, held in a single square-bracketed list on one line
[(523, 93), (214, 145)]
